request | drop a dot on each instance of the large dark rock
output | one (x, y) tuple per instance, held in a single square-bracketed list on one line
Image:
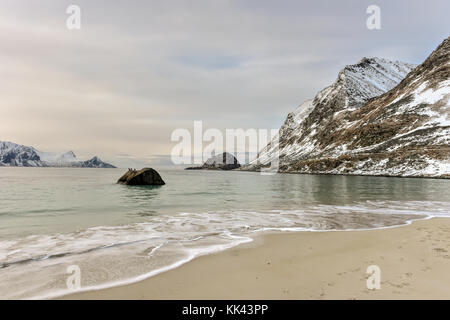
[(143, 177), (224, 161)]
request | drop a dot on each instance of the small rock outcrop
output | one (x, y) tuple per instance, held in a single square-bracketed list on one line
[(143, 177), (224, 161)]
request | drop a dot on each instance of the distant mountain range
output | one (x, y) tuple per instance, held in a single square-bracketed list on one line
[(379, 117), (16, 155)]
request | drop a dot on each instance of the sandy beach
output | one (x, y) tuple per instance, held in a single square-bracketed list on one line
[(414, 262)]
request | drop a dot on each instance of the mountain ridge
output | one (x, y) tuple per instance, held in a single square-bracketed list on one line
[(16, 155), (344, 130)]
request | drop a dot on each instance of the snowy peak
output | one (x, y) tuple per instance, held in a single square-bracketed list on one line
[(58, 158), (360, 82), (371, 77), (415, 114), (354, 86), (67, 157)]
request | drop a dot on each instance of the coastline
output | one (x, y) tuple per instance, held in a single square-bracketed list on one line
[(349, 174), (414, 260)]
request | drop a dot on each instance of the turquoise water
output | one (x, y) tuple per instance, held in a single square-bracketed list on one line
[(51, 218)]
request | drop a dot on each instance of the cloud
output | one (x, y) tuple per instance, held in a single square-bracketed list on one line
[(135, 72)]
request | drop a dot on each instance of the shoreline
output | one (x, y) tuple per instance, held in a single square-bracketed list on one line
[(441, 177), (414, 260)]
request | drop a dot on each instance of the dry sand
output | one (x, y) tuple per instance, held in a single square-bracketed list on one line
[(414, 262)]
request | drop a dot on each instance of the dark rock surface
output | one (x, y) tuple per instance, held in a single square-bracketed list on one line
[(143, 177)]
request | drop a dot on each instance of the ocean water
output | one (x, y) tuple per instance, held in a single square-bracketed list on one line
[(53, 218)]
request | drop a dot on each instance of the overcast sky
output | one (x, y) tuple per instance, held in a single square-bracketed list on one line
[(137, 70)]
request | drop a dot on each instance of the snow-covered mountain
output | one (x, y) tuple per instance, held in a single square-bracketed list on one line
[(371, 122), (16, 155)]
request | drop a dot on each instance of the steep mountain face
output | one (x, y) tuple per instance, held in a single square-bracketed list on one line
[(356, 127), (15, 155)]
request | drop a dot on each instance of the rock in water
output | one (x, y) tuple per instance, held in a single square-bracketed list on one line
[(143, 177), (224, 161)]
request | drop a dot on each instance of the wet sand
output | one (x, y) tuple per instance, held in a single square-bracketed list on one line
[(414, 261)]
